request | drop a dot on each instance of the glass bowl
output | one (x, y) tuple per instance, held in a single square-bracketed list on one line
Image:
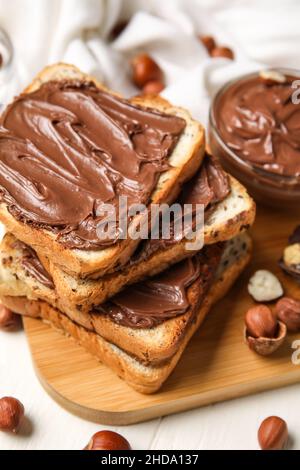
[(266, 187)]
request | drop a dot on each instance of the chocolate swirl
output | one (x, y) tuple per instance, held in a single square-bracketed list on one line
[(33, 266), (149, 303), (260, 123), (68, 148), (208, 187)]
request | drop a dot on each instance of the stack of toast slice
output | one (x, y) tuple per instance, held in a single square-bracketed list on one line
[(133, 304)]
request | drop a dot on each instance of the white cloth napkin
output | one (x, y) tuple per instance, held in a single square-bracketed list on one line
[(77, 31)]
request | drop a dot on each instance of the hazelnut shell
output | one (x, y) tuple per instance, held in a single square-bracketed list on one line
[(266, 346)]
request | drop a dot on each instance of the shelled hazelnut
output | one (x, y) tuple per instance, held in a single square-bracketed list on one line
[(107, 440), (11, 414), (9, 321), (273, 434), (263, 333), (264, 286), (144, 70), (288, 311)]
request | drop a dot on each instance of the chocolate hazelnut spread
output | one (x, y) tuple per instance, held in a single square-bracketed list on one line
[(208, 187), (258, 121), (68, 148), (149, 303), (33, 266)]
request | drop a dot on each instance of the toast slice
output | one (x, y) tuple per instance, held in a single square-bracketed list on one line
[(148, 345), (228, 219), (143, 378), (183, 162)]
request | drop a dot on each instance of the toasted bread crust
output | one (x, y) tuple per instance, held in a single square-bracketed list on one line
[(230, 217), (149, 346), (144, 379), (85, 294), (185, 160)]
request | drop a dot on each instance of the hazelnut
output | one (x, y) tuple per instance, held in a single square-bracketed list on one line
[(272, 77), (291, 255), (11, 414), (273, 434), (288, 311), (263, 333), (264, 286), (208, 42), (266, 346), (9, 321), (144, 70), (153, 88), (108, 440), (222, 51), (261, 322), (290, 262)]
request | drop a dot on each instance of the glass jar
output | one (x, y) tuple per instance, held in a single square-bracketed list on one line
[(265, 186)]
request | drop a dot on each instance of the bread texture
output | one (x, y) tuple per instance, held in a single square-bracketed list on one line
[(229, 218), (184, 161), (143, 378), (149, 345)]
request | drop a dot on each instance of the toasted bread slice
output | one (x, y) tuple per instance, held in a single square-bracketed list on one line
[(229, 218), (148, 345), (143, 378), (184, 161), (78, 296)]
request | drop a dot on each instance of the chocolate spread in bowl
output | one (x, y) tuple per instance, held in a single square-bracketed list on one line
[(68, 148), (259, 122)]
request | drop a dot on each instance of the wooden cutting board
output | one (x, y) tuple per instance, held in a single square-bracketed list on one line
[(216, 365)]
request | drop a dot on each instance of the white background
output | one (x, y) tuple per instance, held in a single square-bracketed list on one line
[(260, 32)]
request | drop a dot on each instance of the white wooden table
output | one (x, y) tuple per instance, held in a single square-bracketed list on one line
[(230, 425)]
